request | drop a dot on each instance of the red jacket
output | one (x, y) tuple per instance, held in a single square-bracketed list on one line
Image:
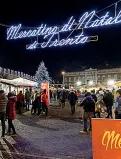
[(11, 108), (44, 98), (20, 97)]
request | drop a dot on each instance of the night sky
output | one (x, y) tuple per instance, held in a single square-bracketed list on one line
[(13, 54)]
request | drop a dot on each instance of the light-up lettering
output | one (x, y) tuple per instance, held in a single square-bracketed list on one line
[(54, 43), (87, 20), (45, 44), (103, 19), (118, 18), (63, 42), (95, 23), (32, 46), (68, 26), (91, 15)]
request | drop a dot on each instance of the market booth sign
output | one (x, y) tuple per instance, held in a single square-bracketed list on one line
[(106, 139)]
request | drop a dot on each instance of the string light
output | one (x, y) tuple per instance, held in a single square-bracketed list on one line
[(14, 32), (32, 46), (116, 3), (80, 39), (48, 33)]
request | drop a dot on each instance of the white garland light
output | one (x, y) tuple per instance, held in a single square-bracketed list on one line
[(87, 20)]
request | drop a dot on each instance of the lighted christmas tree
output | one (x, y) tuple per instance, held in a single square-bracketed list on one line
[(42, 74)]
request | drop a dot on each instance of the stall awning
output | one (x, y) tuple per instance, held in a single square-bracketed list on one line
[(19, 82), (118, 84)]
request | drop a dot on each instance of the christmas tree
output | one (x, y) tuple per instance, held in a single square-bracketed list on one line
[(42, 74)]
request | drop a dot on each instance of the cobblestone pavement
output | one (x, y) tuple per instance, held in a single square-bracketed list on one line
[(40, 138)]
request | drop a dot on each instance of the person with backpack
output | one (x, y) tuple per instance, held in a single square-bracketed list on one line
[(72, 99), (118, 105), (89, 110)]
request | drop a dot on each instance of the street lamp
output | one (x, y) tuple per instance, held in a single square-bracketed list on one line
[(63, 73), (78, 83), (91, 83), (111, 82)]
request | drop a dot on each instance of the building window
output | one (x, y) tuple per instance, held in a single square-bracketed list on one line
[(79, 78), (83, 80), (74, 79), (109, 76), (118, 77), (65, 79), (115, 77), (103, 78), (69, 79)]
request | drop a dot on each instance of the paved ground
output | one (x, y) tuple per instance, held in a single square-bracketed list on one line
[(52, 138)]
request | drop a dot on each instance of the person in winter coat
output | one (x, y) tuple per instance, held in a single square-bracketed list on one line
[(36, 104), (50, 92), (11, 114), (94, 95), (109, 100), (89, 109), (72, 99), (20, 102), (3, 104), (118, 105), (63, 98), (44, 102), (27, 98), (95, 99)]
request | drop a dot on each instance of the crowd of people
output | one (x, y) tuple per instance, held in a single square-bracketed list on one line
[(12, 103), (93, 103)]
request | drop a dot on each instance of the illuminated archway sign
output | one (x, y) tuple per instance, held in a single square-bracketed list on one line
[(49, 34)]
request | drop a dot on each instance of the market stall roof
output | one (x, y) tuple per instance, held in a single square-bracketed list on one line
[(118, 84), (24, 82), (19, 82), (6, 81)]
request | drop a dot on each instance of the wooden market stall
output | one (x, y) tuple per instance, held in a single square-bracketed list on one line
[(16, 85)]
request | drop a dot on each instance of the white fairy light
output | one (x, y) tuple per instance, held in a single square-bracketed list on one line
[(87, 20)]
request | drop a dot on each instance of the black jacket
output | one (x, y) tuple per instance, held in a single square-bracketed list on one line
[(94, 97), (88, 104), (108, 99), (72, 98)]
